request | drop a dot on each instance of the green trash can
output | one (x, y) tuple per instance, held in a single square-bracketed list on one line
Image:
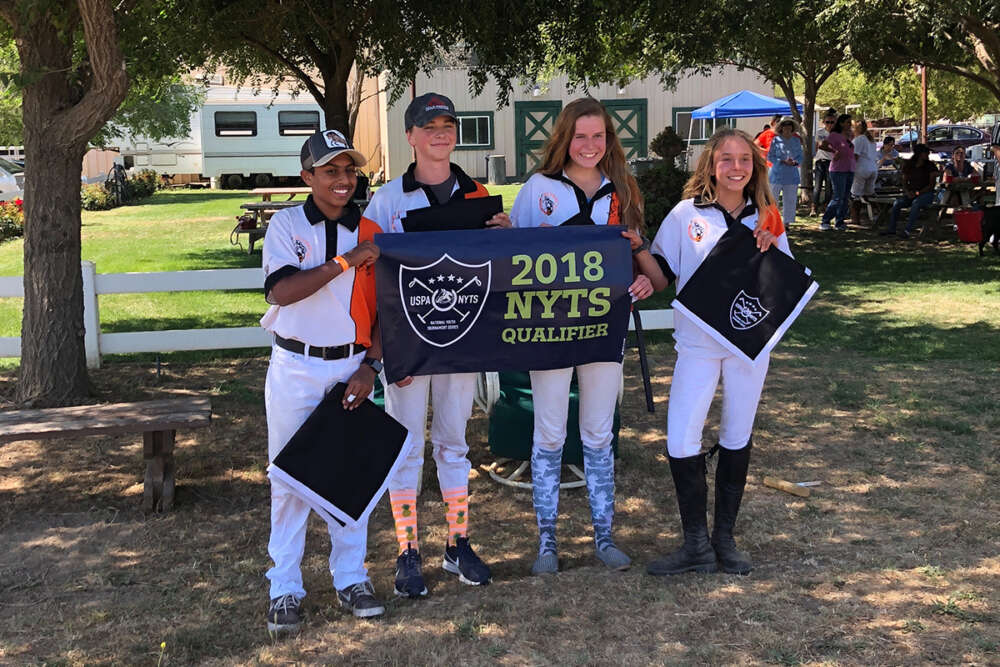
[(513, 419)]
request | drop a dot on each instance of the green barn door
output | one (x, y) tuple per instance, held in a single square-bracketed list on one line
[(533, 123), (629, 117)]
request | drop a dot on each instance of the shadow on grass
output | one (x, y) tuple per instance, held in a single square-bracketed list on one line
[(229, 257), (196, 197)]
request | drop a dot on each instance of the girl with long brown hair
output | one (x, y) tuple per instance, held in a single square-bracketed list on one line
[(728, 188), (583, 180)]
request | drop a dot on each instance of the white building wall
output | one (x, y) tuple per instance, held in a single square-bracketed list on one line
[(693, 91)]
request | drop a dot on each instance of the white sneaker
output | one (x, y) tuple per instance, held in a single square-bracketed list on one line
[(825, 227)]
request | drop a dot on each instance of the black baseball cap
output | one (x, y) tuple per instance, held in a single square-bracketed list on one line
[(323, 146), (426, 108)]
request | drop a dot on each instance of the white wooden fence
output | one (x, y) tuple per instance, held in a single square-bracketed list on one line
[(174, 340)]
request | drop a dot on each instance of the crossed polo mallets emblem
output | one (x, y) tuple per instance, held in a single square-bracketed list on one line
[(444, 299)]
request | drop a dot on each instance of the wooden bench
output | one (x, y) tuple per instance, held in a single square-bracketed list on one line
[(158, 422)]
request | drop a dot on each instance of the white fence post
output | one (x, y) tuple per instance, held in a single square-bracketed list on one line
[(91, 316)]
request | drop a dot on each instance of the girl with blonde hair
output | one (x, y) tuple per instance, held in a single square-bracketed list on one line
[(729, 187), (583, 179)]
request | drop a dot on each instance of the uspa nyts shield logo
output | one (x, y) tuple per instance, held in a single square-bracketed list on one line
[(746, 312), (444, 299)]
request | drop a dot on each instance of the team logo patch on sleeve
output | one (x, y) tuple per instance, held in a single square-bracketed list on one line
[(746, 312), (696, 229), (547, 203), (300, 248), (443, 299)]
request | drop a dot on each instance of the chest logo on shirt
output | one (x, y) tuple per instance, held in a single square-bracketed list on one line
[(746, 312), (547, 203), (696, 229), (443, 299), (300, 248)]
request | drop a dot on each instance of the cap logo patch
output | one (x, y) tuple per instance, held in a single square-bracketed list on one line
[(436, 103), (547, 203), (335, 139), (746, 312)]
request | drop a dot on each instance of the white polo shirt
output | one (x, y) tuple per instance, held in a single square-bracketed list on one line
[(685, 238), (391, 202), (343, 310), (555, 200)]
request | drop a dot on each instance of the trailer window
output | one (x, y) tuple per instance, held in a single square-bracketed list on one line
[(298, 122), (236, 123)]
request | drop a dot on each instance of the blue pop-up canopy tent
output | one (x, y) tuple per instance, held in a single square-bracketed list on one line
[(744, 104)]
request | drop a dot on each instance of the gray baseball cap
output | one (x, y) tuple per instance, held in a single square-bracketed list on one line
[(427, 107), (323, 146)]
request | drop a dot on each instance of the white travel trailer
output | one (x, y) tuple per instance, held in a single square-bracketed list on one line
[(238, 139)]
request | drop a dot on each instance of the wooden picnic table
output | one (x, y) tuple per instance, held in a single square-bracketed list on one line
[(254, 223), (267, 193)]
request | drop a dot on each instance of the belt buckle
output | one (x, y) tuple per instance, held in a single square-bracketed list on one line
[(331, 350)]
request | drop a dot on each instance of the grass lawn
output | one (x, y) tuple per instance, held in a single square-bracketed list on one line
[(885, 391)]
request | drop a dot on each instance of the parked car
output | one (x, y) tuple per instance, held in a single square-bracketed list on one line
[(944, 138), (11, 177)]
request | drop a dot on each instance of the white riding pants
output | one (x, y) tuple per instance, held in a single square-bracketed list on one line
[(692, 390), (451, 400), (295, 386), (598, 385)]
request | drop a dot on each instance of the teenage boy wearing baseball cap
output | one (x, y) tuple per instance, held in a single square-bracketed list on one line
[(320, 283), (432, 180)]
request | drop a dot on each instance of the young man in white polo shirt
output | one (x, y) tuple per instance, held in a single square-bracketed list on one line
[(431, 129), (319, 279)]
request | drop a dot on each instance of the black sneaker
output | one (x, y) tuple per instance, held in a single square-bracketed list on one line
[(904, 234), (360, 599), (409, 574), (284, 615), (463, 561)]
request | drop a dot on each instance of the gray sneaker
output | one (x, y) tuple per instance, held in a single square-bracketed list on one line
[(825, 227), (360, 599), (613, 558), (284, 615), (547, 563)]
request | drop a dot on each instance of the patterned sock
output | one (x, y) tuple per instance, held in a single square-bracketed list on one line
[(458, 512), (404, 513), (546, 466), (599, 468)]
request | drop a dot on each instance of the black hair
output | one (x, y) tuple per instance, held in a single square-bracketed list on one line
[(918, 150), (888, 138), (842, 119)]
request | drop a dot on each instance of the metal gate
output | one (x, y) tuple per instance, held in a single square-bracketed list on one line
[(533, 123), (629, 117)]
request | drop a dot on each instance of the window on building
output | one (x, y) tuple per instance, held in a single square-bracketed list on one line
[(298, 122), (236, 123), (703, 127), (475, 130)]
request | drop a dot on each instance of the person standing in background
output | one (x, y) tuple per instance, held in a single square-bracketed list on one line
[(865, 169), (822, 185), (785, 156)]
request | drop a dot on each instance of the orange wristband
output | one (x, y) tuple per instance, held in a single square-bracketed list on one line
[(344, 266)]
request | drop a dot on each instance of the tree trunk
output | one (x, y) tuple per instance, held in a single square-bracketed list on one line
[(335, 107), (808, 113), (53, 360), (63, 106)]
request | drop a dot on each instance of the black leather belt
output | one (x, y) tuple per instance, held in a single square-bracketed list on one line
[(328, 353)]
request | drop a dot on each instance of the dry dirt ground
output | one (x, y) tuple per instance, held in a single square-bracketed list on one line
[(893, 560)]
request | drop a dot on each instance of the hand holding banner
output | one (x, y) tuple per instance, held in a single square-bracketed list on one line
[(516, 299)]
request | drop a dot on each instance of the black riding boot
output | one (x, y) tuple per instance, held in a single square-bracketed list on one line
[(696, 554), (730, 478)]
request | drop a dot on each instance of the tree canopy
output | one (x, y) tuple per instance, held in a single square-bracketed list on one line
[(961, 37)]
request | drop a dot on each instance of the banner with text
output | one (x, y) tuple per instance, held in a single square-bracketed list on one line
[(498, 300)]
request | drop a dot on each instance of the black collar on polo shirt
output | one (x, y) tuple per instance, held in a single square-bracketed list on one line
[(749, 208), (465, 184), (350, 219), (586, 205)]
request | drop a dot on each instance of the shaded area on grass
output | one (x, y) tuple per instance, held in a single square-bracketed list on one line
[(892, 560)]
